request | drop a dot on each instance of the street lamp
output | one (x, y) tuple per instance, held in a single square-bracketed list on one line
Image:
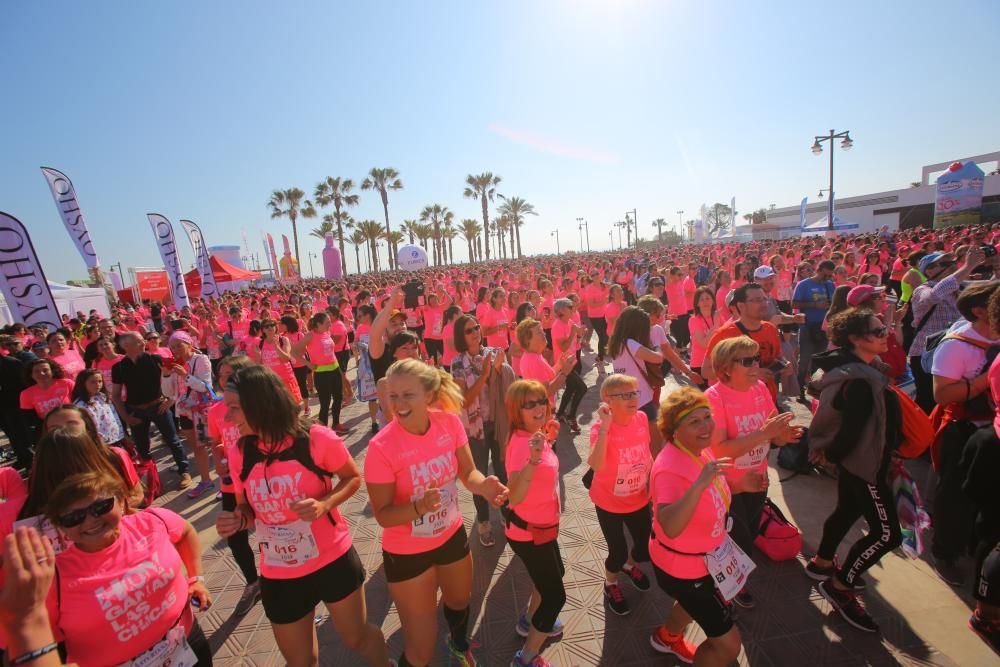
[(611, 235), (817, 148), (312, 273), (680, 221), (584, 226), (555, 233)]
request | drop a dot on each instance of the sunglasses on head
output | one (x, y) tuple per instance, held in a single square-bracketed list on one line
[(95, 509), (747, 362), (473, 329), (537, 403)]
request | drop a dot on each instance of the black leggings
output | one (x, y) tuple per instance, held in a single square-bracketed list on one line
[(302, 377), (239, 543), (344, 359), (613, 525), (601, 329), (199, 645), (679, 330), (575, 390), (855, 499), (329, 387), (746, 509), (482, 451), (545, 567)]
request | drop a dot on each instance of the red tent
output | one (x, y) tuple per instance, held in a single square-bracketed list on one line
[(224, 273)]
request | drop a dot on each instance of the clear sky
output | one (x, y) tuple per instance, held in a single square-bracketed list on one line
[(586, 109)]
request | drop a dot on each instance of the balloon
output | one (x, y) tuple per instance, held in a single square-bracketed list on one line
[(411, 258)]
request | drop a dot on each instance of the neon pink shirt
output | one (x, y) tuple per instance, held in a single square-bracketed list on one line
[(104, 365), (339, 330), (118, 602), (44, 400), (493, 318), (224, 431), (622, 485), (271, 491), (448, 336), (294, 338), (534, 367), (676, 298), (321, 349), (690, 287), (411, 463), (611, 313), (433, 318), (71, 363), (674, 472), (560, 330), (742, 412), (13, 493), (595, 292), (699, 325), (540, 506)]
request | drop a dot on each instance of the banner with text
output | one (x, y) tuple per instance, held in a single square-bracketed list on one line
[(274, 259), (22, 279), (201, 258), (153, 285), (164, 233), (64, 195), (959, 199)]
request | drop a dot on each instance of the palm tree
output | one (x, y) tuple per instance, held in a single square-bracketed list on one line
[(471, 229), (290, 204), (423, 233), (516, 208), (500, 226), (336, 191), (357, 239), (324, 228), (434, 215), (483, 187), (383, 180), (394, 239), (449, 233), (373, 233), (409, 227), (658, 223)]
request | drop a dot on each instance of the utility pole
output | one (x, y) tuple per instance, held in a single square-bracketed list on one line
[(680, 222), (555, 232), (584, 225)]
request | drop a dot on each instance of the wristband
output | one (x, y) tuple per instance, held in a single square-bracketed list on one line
[(197, 579), (34, 655), (416, 510)]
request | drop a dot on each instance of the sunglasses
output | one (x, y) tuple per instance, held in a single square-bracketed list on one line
[(946, 264), (473, 330), (95, 509), (625, 395), (881, 332), (747, 362), (537, 403)]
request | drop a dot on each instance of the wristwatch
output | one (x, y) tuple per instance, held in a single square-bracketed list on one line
[(196, 580)]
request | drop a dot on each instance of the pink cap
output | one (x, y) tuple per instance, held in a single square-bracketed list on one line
[(862, 292)]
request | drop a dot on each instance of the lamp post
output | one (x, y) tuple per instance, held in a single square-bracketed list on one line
[(312, 274), (817, 148), (555, 233), (611, 235), (585, 226), (634, 220), (680, 222), (619, 225)]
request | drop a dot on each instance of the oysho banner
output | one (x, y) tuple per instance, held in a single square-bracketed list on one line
[(164, 234), (208, 286), (22, 279), (64, 195)]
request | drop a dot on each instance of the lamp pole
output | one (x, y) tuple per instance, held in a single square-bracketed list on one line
[(680, 222), (555, 232), (611, 235), (584, 225), (580, 227), (817, 148), (312, 274)]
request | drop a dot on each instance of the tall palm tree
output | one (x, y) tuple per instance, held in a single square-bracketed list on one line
[(434, 214), (483, 187), (658, 223), (471, 229), (336, 191), (423, 234), (500, 226), (394, 239), (373, 233), (357, 239), (382, 180), (449, 233), (291, 204), (324, 228), (409, 227), (516, 209)]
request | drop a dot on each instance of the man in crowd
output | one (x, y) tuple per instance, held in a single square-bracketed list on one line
[(812, 296), (765, 276), (12, 367)]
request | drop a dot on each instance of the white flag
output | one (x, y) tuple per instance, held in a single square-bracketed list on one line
[(164, 234), (802, 212), (208, 287), (64, 195), (22, 279)]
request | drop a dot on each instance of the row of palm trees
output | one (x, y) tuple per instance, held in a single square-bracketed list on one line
[(436, 223)]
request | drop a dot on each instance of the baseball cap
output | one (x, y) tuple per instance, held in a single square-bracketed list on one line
[(862, 292), (397, 313), (762, 272), (932, 258)]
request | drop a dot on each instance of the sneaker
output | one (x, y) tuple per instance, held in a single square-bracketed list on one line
[(218, 496), (988, 631), (374, 428), (849, 605), (663, 642), (523, 627), (464, 658), (186, 480), (573, 426), (340, 429), (615, 599), (948, 570), (201, 488), (537, 661), (818, 573), (745, 600), (637, 578), (250, 597)]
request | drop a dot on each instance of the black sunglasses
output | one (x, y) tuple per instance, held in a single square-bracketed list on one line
[(747, 362), (95, 509), (473, 330), (944, 264), (881, 332), (537, 403)]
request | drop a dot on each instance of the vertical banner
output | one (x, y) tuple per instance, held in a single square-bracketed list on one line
[(959, 199), (22, 279), (164, 234), (64, 195), (208, 287), (289, 267), (802, 213), (732, 221), (274, 259)]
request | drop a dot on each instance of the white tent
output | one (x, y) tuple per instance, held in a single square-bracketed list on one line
[(68, 299), (839, 225)]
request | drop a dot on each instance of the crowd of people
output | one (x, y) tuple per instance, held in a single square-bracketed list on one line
[(472, 375)]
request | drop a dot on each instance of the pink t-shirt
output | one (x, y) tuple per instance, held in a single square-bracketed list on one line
[(540, 506), (622, 485), (676, 298), (432, 320), (611, 313), (290, 547), (131, 476), (674, 472), (71, 363), (321, 349), (690, 287), (994, 377), (699, 325), (104, 365), (560, 330), (222, 430), (44, 400), (742, 412), (448, 336), (595, 293), (493, 318), (119, 602), (411, 463), (13, 493), (338, 330), (534, 367)]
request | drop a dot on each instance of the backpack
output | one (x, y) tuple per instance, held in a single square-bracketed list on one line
[(916, 430), (778, 538), (795, 455), (934, 341)]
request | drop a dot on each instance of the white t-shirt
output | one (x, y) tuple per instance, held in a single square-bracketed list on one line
[(625, 363), (957, 360), (657, 337)]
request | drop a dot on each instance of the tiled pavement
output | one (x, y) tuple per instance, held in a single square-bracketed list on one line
[(923, 620)]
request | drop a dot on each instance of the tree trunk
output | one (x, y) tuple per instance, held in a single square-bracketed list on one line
[(385, 208), (517, 230), (340, 238), (451, 252), (472, 257), (295, 237), (486, 226), (357, 258), (512, 228)]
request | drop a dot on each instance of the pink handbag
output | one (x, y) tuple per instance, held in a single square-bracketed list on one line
[(778, 538)]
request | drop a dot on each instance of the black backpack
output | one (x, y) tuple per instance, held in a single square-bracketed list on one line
[(795, 456), (299, 451)]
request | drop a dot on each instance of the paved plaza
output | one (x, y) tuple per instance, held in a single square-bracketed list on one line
[(923, 620)]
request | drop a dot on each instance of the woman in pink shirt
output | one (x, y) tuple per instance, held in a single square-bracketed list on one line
[(289, 328), (434, 332), (47, 388), (534, 366), (412, 472), (702, 325), (616, 304), (283, 476), (322, 360), (64, 355), (449, 352), (621, 460), (106, 358), (495, 321), (532, 515)]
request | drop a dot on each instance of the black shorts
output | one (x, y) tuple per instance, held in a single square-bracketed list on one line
[(402, 567), (699, 600), (289, 600)]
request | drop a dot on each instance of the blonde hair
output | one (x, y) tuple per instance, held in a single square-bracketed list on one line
[(675, 407), (724, 354), (83, 485), (448, 396), (615, 381), (519, 392), (650, 304), (523, 331)]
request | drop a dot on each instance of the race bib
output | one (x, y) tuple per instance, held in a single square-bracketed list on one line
[(631, 479), (172, 650), (753, 458), (433, 524), (46, 528), (729, 568), (287, 544)]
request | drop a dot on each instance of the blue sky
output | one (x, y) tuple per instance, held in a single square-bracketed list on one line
[(586, 109)]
